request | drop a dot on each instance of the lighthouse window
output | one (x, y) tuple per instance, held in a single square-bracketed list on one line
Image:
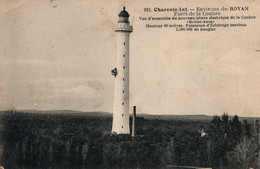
[(124, 43), (123, 67), (123, 103), (123, 79), (122, 126), (124, 55), (122, 115), (123, 91)]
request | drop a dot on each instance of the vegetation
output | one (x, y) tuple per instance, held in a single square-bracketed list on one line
[(81, 141)]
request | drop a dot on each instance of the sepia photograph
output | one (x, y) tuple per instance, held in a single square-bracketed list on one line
[(127, 84)]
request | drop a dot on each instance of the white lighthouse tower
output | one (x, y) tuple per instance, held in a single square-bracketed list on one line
[(121, 73)]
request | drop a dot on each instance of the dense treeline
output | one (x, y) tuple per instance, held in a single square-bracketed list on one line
[(82, 141)]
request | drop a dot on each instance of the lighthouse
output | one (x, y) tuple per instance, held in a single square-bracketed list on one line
[(121, 73)]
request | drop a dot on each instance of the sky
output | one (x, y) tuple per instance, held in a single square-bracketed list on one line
[(58, 54)]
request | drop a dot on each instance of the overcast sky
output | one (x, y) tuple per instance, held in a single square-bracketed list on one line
[(58, 54)]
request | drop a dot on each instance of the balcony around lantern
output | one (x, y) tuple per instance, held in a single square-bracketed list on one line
[(123, 28)]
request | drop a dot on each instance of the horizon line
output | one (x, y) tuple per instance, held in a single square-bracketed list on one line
[(81, 111)]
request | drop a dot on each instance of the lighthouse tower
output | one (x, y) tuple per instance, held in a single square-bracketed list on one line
[(121, 73)]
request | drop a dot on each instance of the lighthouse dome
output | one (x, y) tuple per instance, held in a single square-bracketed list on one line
[(123, 13)]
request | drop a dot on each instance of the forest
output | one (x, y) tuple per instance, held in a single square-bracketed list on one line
[(80, 141)]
